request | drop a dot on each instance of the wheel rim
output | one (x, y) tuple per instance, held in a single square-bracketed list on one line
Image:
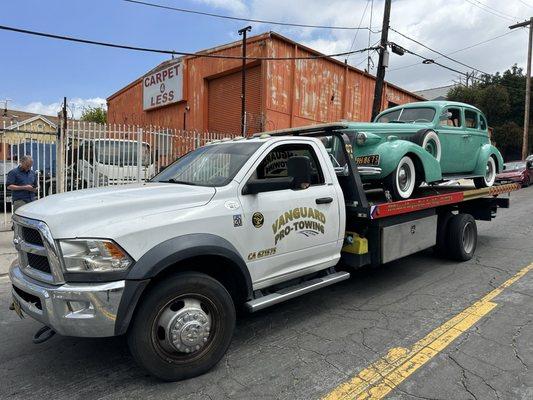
[(490, 172), (184, 328), (404, 178), (469, 237)]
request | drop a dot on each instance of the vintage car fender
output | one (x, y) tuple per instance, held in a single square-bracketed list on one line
[(485, 152), (390, 153)]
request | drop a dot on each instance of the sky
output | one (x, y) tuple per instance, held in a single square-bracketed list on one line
[(35, 73)]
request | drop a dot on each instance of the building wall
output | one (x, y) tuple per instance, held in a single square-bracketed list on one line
[(292, 92)]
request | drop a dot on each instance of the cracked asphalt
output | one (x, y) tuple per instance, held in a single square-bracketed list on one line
[(306, 347)]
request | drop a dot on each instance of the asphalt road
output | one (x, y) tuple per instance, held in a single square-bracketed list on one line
[(307, 347)]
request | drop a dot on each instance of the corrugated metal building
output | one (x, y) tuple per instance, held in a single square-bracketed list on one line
[(279, 93)]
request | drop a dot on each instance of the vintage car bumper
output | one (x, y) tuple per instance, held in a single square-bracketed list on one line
[(509, 179), (70, 309)]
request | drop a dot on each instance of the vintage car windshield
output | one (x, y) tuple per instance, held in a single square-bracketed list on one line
[(408, 115), (513, 166), (213, 165)]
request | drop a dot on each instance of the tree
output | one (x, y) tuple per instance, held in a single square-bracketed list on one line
[(94, 114), (501, 98)]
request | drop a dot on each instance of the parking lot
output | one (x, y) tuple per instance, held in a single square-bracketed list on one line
[(418, 328)]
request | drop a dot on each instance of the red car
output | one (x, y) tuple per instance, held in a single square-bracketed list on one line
[(518, 172)]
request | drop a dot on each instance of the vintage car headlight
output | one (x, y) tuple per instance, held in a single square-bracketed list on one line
[(93, 255), (361, 138)]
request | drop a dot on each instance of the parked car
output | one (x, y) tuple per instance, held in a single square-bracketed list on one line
[(517, 171), (430, 142)]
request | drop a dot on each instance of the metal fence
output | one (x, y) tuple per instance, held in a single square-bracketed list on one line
[(93, 155)]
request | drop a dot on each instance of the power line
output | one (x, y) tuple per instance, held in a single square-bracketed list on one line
[(524, 3), (360, 23), (438, 52), (489, 11), (495, 10), (173, 52), (458, 51), (261, 21)]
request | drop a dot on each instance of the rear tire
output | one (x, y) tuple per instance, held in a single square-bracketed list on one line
[(490, 175), (190, 311), (461, 237), (402, 181), (441, 245)]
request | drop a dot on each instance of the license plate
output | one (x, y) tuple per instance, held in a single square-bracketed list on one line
[(368, 160), (17, 308)]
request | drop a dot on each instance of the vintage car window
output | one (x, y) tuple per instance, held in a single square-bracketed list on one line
[(408, 115), (470, 119), (482, 123), (274, 165), (451, 117)]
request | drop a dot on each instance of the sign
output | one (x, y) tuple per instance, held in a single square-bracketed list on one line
[(163, 87)]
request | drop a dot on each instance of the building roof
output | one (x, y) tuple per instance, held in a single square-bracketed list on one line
[(11, 118), (436, 93), (251, 39)]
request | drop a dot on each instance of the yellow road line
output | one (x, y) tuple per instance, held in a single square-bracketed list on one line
[(381, 377)]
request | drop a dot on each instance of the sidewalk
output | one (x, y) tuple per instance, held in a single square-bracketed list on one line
[(7, 251)]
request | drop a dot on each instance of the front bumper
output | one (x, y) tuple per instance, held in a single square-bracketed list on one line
[(70, 309)]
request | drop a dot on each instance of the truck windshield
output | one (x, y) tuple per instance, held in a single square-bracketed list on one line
[(120, 152), (214, 165), (406, 115)]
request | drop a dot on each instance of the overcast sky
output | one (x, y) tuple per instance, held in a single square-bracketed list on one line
[(36, 72)]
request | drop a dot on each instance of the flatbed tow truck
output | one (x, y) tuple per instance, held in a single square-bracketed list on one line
[(244, 222)]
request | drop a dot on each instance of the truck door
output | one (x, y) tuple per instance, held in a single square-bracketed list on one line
[(289, 233)]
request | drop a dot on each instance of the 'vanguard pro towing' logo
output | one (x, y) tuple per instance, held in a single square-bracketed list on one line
[(304, 220)]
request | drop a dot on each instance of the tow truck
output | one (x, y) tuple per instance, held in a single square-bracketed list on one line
[(237, 224)]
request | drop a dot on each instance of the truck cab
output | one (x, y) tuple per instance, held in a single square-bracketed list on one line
[(236, 223)]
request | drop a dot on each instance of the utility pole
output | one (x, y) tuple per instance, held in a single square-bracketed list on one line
[(525, 144), (383, 60), (242, 32)]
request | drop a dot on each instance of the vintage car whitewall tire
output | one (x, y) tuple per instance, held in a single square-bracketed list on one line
[(430, 142), (402, 181), (490, 175)]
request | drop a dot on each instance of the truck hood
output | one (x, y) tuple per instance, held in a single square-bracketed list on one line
[(381, 128), (72, 214)]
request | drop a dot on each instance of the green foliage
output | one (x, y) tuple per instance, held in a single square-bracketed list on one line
[(94, 114), (502, 98)]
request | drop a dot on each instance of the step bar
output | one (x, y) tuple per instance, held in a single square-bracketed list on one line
[(295, 291)]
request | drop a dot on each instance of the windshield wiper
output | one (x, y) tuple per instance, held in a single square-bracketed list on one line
[(172, 180)]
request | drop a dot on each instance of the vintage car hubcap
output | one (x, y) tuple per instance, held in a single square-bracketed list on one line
[(490, 172), (404, 177), (186, 326)]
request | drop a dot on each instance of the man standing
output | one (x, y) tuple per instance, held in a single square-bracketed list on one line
[(22, 182)]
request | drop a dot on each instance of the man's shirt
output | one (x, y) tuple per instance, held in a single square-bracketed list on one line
[(20, 177)]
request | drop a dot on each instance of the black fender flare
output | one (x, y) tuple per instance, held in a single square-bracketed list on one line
[(166, 254)]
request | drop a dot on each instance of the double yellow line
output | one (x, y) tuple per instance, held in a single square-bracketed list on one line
[(381, 377)]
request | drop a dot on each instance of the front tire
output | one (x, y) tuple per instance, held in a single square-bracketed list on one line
[(402, 181), (183, 326), (490, 175)]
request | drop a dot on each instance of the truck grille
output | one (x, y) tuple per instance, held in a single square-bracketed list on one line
[(39, 262), (32, 236), (37, 251)]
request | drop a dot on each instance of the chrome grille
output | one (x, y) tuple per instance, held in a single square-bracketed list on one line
[(37, 251)]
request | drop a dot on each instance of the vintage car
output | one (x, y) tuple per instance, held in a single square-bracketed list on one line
[(428, 141), (517, 171)]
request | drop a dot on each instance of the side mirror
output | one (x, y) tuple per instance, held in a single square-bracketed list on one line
[(255, 186)]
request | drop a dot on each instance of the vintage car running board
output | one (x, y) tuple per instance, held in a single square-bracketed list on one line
[(295, 291)]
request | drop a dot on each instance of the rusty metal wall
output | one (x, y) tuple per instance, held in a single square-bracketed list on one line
[(292, 92)]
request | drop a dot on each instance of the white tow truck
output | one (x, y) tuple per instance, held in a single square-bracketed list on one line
[(239, 223)]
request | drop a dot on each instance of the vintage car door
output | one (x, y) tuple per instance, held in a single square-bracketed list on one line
[(289, 232), (473, 139), (451, 135)]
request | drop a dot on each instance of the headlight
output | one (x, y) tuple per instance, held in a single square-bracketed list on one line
[(360, 138), (93, 255)]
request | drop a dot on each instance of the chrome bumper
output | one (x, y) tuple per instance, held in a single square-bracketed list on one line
[(366, 171), (70, 309)]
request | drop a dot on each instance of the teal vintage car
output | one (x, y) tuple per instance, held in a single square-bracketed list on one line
[(430, 141)]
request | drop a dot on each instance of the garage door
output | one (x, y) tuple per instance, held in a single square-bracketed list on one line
[(224, 98)]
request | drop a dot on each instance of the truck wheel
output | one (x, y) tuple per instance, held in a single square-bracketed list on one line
[(461, 237), (183, 326), (490, 175), (402, 181)]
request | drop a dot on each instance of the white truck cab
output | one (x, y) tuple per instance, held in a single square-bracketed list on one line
[(240, 222)]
